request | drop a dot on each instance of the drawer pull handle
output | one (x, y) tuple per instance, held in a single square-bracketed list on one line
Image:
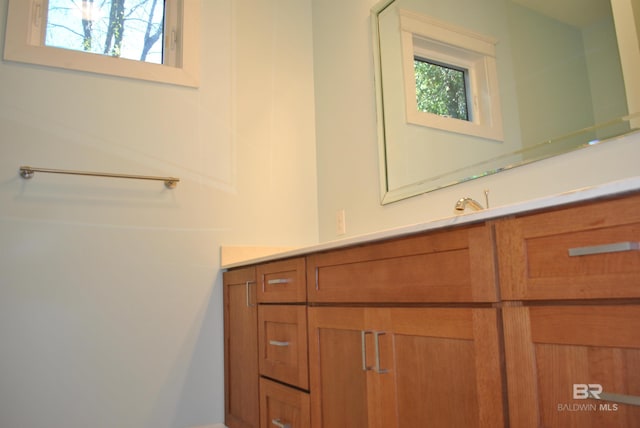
[(363, 336), (632, 400), (603, 249), (280, 424), (248, 293), (279, 281), (376, 338), (278, 343)]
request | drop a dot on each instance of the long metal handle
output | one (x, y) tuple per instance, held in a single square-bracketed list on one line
[(603, 249), (278, 343), (28, 172), (277, 422), (279, 281), (376, 342), (247, 286), (363, 336), (376, 339), (632, 400)]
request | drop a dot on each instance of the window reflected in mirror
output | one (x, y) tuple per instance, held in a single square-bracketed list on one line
[(441, 89)]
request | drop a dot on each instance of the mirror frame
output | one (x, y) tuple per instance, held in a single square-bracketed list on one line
[(483, 168)]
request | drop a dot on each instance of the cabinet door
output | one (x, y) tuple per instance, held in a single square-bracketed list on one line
[(560, 358), (241, 349), (405, 367), (338, 381), (447, 367)]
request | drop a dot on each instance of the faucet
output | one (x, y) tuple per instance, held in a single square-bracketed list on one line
[(463, 202)]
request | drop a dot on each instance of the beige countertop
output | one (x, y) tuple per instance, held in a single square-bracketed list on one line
[(235, 256)]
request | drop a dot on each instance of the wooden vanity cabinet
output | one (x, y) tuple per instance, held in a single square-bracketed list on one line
[(557, 355), (444, 328), (405, 367), (570, 278), (402, 333), (241, 348)]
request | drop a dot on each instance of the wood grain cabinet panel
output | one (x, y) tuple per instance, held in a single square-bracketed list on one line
[(558, 358), (526, 321), (282, 331), (405, 367), (583, 252), (450, 266), (282, 281), (281, 406), (241, 348)]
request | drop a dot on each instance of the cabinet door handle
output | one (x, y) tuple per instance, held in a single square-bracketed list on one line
[(376, 338), (278, 281), (363, 335), (603, 249), (632, 400), (248, 291), (278, 343), (277, 422)]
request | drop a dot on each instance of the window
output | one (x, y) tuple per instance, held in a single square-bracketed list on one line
[(441, 89), (450, 77), (145, 39), (116, 28)]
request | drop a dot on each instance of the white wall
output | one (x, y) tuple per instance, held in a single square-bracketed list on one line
[(347, 146), (110, 291)]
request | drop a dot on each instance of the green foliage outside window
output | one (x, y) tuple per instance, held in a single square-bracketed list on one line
[(441, 90)]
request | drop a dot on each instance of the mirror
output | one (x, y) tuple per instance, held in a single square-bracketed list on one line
[(540, 78)]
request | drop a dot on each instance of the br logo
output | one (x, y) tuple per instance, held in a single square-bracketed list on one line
[(582, 391)]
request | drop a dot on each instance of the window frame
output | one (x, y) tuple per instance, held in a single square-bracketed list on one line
[(441, 42), (24, 42)]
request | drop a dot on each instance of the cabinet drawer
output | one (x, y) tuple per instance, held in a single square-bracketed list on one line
[(580, 252), (450, 266), (282, 332), (282, 281), (281, 406)]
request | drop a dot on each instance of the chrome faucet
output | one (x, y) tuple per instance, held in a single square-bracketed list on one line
[(462, 203)]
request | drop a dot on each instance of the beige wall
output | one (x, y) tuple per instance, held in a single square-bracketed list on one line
[(110, 291)]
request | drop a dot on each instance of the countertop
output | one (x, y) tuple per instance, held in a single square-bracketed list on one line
[(578, 195)]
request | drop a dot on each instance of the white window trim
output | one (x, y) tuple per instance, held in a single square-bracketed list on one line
[(22, 45), (428, 38)]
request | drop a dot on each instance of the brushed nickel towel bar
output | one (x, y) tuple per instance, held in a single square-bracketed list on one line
[(28, 172)]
